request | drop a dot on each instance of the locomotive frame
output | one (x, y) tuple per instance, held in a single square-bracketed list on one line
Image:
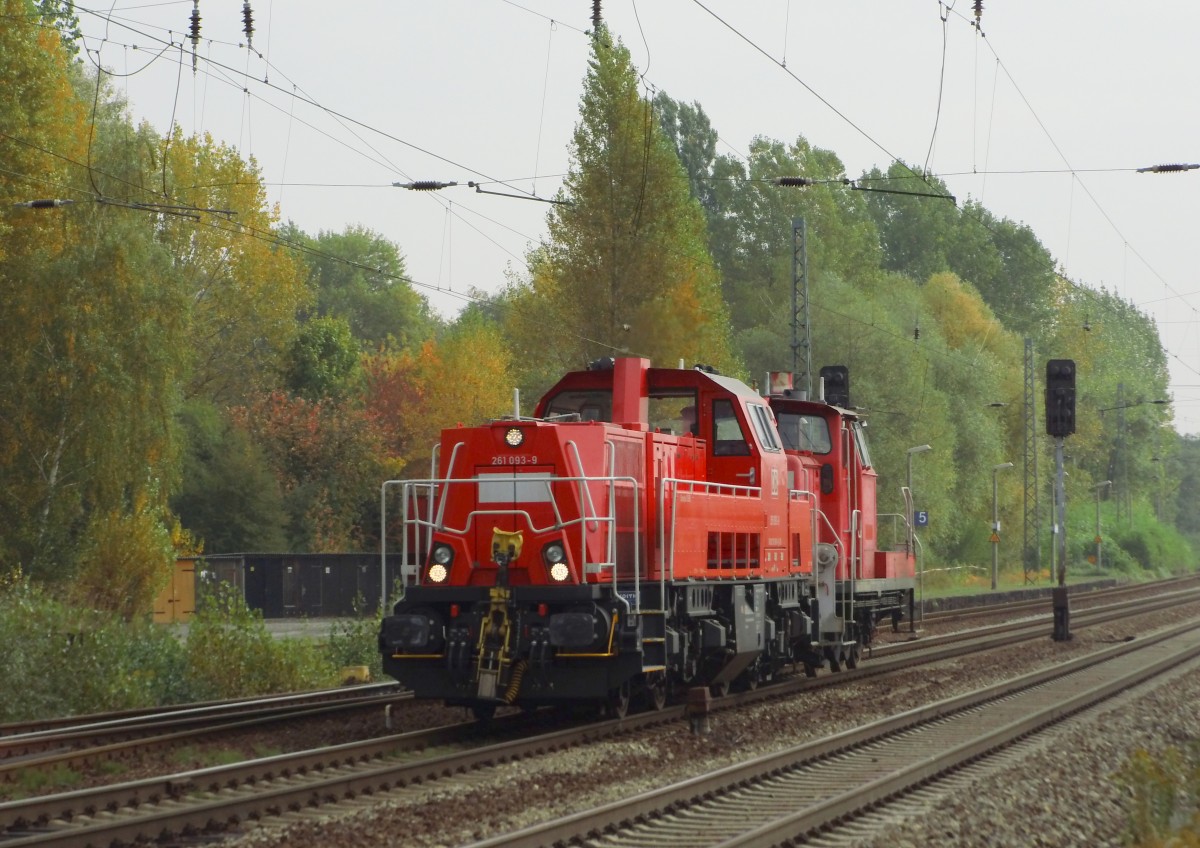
[(608, 549)]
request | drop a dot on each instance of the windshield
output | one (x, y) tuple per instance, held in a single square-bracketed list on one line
[(804, 432)]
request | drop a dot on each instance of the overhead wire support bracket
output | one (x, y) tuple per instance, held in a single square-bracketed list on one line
[(856, 187), (480, 190)]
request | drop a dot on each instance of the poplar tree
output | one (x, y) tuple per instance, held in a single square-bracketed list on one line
[(626, 268)]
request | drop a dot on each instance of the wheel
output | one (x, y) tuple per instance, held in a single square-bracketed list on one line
[(852, 657), (618, 701), (810, 670), (835, 663), (748, 679), (656, 692), (483, 712), (719, 690)]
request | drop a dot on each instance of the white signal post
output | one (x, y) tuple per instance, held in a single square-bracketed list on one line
[(1099, 488), (996, 522)]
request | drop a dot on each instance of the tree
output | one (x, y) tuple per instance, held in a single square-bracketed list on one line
[(626, 267), (327, 459), (244, 287), (753, 241), (323, 361), (92, 317), (359, 276), (462, 377), (229, 497), (695, 142)]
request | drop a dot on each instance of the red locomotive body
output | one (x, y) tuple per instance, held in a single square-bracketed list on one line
[(648, 529)]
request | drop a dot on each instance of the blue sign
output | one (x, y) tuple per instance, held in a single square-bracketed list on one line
[(921, 518)]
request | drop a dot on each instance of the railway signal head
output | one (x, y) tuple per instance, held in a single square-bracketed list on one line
[(837, 385), (1060, 397)]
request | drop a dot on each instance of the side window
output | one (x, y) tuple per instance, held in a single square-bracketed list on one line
[(764, 423), (728, 438), (673, 411), (860, 437)]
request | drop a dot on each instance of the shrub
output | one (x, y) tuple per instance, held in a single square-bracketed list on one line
[(1163, 797), (356, 642), (230, 652), (62, 660)]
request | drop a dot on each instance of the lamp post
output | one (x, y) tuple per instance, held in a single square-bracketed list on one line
[(911, 451), (1099, 488), (996, 521), (908, 486)]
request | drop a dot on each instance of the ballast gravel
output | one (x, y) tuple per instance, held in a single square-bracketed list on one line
[(1058, 790)]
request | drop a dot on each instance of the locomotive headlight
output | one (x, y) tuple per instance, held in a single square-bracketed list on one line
[(441, 556), (514, 438), (556, 557)]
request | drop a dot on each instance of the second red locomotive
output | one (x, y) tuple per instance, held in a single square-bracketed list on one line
[(648, 530)]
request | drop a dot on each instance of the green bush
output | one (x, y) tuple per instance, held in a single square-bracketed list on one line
[(356, 642), (1163, 796), (62, 660), (1153, 549), (230, 653)]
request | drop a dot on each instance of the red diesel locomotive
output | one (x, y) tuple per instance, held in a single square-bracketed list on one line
[(647, 531)]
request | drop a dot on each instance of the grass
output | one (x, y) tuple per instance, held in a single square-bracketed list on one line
[(30, 783), (1163, 806), (61, 660)]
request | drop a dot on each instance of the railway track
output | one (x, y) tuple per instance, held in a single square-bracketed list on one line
[(1079, 599), (93, 739), (77, 742), (147, 715), (227, 797), (786, 797)]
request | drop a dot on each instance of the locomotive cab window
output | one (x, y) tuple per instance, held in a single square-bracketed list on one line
[(860, 438), (673, 412), (588, 405), (728, 437), (805, 432), (764, 425)]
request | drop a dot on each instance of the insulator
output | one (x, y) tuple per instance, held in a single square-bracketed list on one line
[(794, 181), (916, 332), (424, 185), (1166, 169), (247, 21), (43, 204), (194, 32), (978, 10)]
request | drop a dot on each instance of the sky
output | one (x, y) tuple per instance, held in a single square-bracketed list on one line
[(1043, 113)]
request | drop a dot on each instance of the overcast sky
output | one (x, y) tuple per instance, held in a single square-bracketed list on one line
[(1044, 118)]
